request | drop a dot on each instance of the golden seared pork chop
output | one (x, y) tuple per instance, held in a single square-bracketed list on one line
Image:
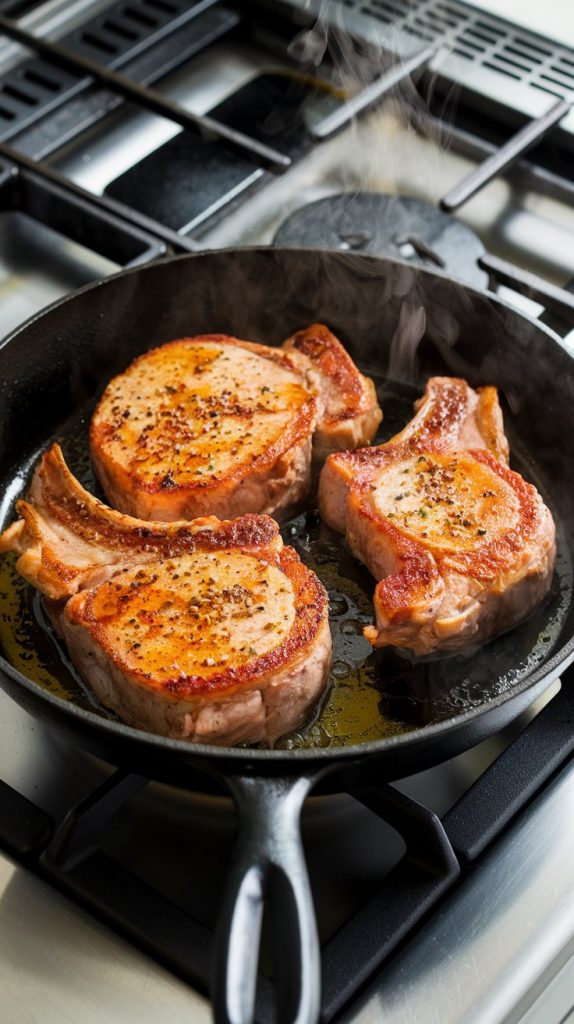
[(214, 425), (463, 547), (349, 412), (209, 631)]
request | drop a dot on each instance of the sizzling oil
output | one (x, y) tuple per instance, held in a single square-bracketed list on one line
[(351, 709), (28, 642), (371, 695)]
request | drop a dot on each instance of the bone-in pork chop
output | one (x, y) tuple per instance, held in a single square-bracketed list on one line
[(214, 425), (349, 412), (207, 631), (462, 546)]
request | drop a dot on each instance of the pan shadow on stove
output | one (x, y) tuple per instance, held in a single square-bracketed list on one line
[(183, 845)]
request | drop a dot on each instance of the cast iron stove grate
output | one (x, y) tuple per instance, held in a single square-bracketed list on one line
[(438, 855)]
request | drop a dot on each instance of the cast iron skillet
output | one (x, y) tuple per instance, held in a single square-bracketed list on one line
[(405, 323)]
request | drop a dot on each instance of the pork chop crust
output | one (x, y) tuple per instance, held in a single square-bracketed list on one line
[(203, 623), (216, 425), (463, 547), (349, 412), (201, 425), (67, 539), (450, 416), (210, 631)]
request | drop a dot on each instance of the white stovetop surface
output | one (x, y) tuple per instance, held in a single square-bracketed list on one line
[(60, 966)]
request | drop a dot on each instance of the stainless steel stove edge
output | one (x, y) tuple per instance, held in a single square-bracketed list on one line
[(478, 51), (499, 940), (57, 963)]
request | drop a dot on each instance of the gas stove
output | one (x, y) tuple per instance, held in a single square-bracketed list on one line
[(133, 129)]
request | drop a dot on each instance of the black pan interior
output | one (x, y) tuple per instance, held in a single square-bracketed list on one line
[(401, 325)]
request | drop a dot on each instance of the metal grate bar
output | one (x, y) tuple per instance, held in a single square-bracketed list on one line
[(150, 231), (417, 883), (555, 300), (51, 89), (58, 122), (373, 93), (74, 862), (479, 51), (520, 772), (24, 828), (505, 156), (149, 98), (119, 36)]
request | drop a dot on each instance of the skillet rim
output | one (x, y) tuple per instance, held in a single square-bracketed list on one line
[(453, 725)]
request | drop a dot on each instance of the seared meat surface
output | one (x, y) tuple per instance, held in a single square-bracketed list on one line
[(462, 546), (208, 631), (349, 412), (214, 425)]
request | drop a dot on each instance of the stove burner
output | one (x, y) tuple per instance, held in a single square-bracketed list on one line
[(383, 225)]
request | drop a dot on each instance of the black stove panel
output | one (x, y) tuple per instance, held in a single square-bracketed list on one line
[(186, 181)]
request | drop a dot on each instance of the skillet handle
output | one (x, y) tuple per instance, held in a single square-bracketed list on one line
[(268, 864)]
